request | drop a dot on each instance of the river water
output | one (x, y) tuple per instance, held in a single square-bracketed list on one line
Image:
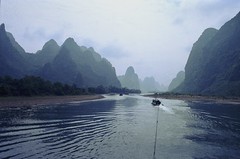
[(121, 127)]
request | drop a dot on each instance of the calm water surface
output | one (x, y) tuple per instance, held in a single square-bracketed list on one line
[(121, 127)]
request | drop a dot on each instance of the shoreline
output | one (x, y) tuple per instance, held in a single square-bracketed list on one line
[(44, 100), (195, 98)]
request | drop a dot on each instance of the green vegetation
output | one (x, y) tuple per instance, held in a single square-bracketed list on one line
[(36, 86)]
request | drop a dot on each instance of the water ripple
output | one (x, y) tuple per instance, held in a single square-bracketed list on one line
[(122, 127)]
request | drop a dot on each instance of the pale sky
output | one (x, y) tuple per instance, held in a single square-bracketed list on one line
[(153, 36)]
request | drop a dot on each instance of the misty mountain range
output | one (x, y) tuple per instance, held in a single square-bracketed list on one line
[(213, 66), (131, 80), (69, 63)]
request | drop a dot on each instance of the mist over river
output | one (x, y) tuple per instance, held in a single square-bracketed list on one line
[(121, 127)]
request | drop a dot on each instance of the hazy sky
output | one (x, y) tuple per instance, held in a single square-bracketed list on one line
[(153, 36)]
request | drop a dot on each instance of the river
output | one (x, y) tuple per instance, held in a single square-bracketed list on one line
[(121, 127)]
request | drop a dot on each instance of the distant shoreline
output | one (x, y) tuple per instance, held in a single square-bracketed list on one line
[(44, 100), (214, 99)]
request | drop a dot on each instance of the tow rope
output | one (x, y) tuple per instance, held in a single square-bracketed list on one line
[(155, 141)]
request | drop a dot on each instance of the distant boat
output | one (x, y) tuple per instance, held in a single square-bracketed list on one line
[(120, 94), (156, 102)]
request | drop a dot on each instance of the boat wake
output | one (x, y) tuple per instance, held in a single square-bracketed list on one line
[(166, 109)]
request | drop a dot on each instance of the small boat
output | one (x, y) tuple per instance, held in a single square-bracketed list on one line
[(156, 102), (120, 94)]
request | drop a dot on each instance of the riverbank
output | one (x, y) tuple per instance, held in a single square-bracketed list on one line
[(215, 99), (44, 100)]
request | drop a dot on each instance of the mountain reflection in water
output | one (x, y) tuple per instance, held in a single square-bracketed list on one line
[(121, 127)]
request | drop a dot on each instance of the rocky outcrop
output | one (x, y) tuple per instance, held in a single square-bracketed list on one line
[(213, 66), (12, 63), (177, 81), (130, 80)]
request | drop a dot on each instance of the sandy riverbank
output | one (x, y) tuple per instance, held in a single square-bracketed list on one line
[(45, 100), (226, 100)]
